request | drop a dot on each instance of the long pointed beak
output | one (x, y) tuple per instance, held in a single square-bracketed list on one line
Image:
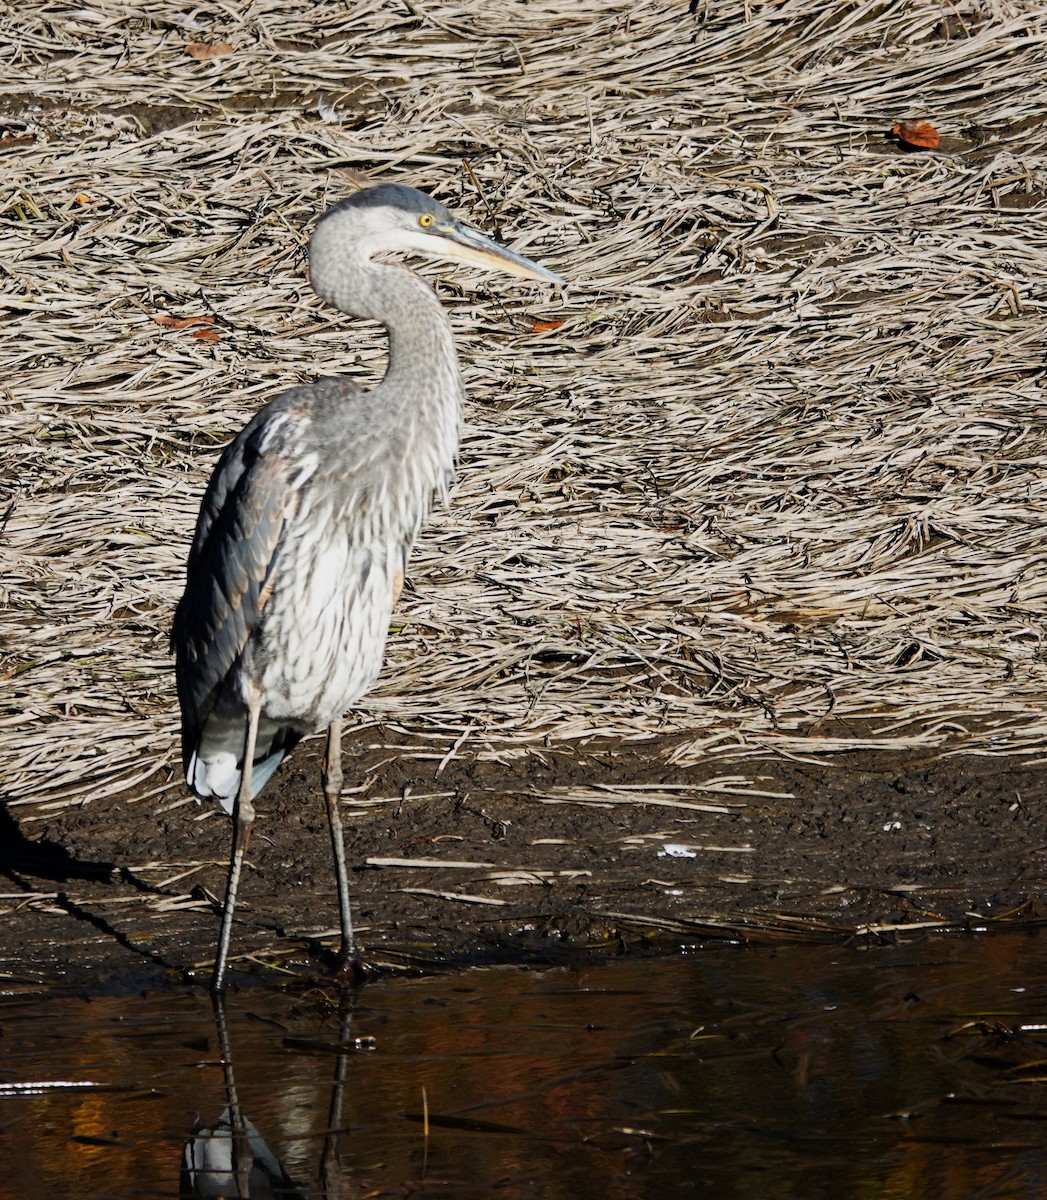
[(463, 244)]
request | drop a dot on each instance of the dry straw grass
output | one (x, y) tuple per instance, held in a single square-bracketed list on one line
[(783, 461)]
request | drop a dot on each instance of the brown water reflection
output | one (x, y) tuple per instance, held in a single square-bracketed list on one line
[(797, 1072)]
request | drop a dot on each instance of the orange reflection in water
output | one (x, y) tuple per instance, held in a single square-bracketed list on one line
[(803, 1071)]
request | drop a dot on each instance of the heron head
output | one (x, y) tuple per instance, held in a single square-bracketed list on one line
[(391, 217)]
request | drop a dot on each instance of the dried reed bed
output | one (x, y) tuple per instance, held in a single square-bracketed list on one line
[(776, 482)]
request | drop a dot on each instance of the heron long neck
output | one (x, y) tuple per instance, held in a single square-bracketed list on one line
[(416, 411), (423, 367)]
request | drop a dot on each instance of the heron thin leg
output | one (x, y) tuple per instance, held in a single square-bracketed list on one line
[(243, 817), (330, 1158), (242, 1158), (332, 778)]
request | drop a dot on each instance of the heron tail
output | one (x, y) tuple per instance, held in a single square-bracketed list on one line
[(214, 768)]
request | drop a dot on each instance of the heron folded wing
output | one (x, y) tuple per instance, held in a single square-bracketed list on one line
[(238, 534)]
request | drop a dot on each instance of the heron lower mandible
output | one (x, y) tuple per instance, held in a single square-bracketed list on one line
[(306, 525)]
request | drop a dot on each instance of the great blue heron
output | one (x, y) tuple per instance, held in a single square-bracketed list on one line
[(306, 525)]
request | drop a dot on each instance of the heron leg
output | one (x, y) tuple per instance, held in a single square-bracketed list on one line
[(242, 1158), (243, 820), (331, 1158), (332, 778)]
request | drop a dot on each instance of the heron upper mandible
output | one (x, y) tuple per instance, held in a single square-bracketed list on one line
[(305, 528)]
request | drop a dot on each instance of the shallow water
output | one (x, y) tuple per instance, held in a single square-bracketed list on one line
[(801, 1071)]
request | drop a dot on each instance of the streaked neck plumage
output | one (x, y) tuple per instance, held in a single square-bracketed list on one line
[(423, 366), (417, 407)]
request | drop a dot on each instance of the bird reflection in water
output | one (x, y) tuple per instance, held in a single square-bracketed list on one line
[(231, 1159)]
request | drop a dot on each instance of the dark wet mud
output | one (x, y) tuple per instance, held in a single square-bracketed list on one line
[(603, 854)]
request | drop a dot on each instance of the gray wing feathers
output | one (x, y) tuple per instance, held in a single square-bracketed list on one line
[(236, 541)]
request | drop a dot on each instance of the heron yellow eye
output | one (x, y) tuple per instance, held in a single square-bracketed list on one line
[(425, 220)]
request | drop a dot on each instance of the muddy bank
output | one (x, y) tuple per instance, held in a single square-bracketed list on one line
[(598, 853)]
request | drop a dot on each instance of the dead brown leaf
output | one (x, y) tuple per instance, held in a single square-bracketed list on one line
[(202, 51), (170, 322), (921, 134)]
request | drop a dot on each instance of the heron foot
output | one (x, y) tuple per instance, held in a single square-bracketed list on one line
[(345, 970), (351, 972)]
